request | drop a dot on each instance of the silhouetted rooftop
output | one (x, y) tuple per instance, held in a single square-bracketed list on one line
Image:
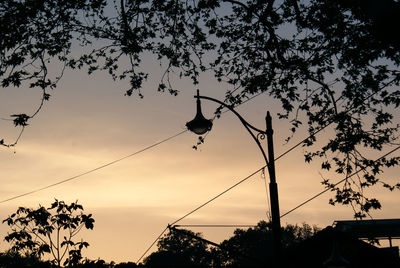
[(315, 251), (384, 228)]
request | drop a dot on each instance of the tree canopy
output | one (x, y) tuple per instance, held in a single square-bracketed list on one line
[(329, 63), (52, 231)]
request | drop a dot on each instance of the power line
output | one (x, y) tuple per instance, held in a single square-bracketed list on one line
[(330, 121), (216, 225), (215, 197), (197, 208), (95, 169), (103, 166), (266, 194), (339, 182), (152, 244)]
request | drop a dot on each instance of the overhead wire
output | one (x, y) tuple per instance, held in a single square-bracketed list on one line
[(217, 196), (266, 194), (337, 183), (94, 169), (329, 122), (152, 244), (215, 225), (197, 208), (105, 165)]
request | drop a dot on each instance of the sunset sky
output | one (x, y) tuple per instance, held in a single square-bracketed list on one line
[(88, 122)]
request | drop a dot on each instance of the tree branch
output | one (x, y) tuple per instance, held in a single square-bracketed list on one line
[(234, 2)]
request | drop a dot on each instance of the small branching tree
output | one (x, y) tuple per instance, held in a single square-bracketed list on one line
[(52, 231)]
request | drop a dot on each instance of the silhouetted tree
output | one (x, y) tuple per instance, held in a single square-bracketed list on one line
[(95, 264), (253, 247), (328, 62), (99, 263), (246, 248), (180, 250), (126, 265), (12, 259), (50, 230)]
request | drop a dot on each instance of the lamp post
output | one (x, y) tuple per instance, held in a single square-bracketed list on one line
[(201, 125)]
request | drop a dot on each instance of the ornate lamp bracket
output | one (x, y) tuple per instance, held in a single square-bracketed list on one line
[(257, 134)]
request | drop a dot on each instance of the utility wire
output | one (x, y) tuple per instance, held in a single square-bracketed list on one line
[(152, 244), (339, 182), (93, 170), (215, 225), (196, 209), (266, 194), (330, 121), (215, 197), (103, 166)]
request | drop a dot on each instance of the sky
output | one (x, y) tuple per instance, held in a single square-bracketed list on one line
[(88, 122)]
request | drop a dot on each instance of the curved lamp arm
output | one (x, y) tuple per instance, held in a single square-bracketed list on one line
[(261, 133)]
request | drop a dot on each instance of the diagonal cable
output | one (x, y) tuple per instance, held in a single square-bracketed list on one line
[(152, 244), (93, 170), (217, 196), (339, 182), (199, 207)]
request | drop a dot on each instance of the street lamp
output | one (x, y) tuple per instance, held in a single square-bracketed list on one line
[(201, 125)]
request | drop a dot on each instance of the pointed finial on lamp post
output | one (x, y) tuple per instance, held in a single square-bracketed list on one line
[(199, 124)]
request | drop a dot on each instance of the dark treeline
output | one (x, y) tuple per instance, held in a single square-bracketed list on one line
[(250, 247)]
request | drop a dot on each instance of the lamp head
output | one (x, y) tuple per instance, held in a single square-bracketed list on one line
[(199, 125)]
